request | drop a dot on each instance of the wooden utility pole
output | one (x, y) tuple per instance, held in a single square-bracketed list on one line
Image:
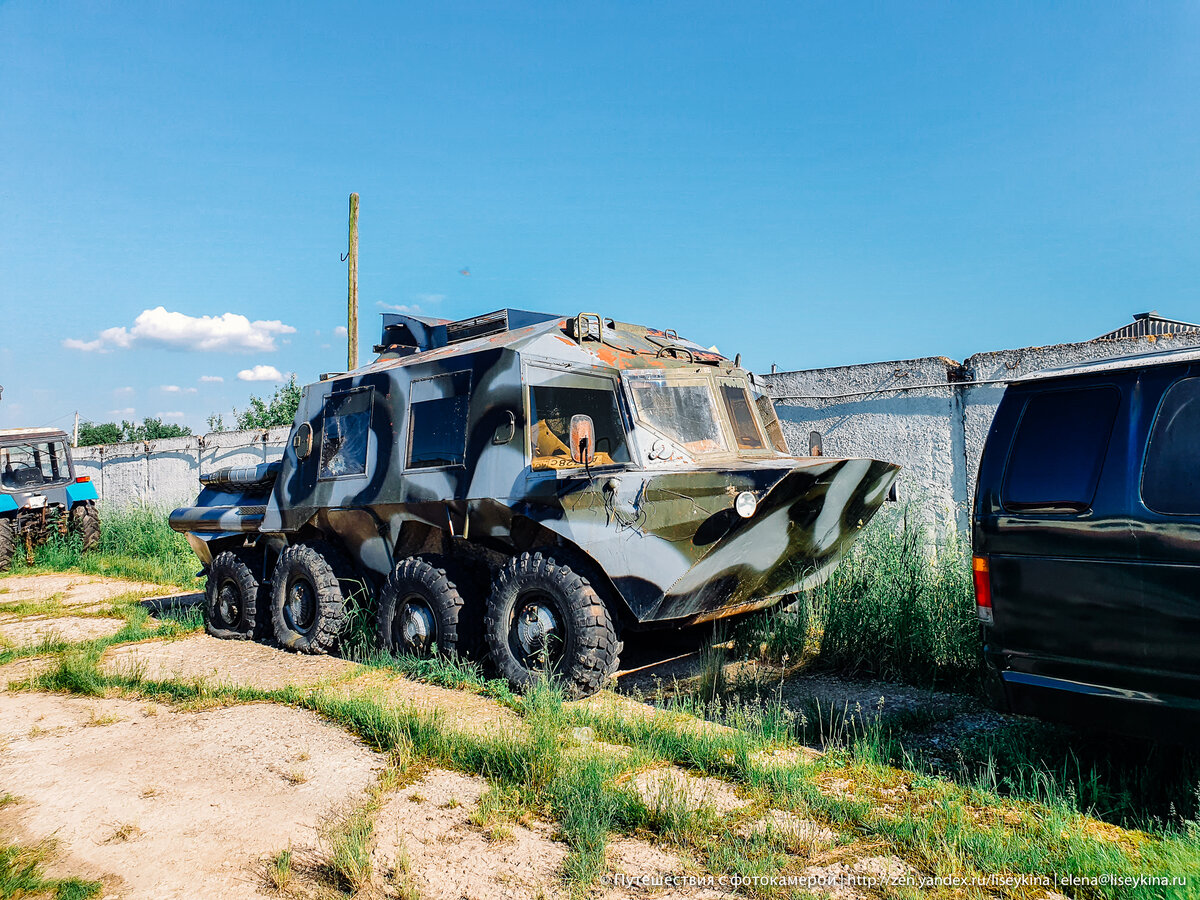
[(352, 302), (75, 439)]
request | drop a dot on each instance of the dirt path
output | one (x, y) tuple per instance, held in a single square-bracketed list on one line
[(162, 804)]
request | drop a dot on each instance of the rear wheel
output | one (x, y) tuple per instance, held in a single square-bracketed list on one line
[(545, 618), (308, 609), (85, 522), (8, 543), (231, 598), (419, 610)]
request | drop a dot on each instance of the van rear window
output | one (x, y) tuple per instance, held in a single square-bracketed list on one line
[(1171, 480), (1059, 449)]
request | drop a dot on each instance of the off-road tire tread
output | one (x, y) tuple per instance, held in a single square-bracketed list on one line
[(249, 588), (593, 650), (8, 543), (85, 522), (442, 593), (473, 582), (322, 563)]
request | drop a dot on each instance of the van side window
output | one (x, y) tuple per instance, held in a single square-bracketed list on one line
[(437, 421), (1171, 477), (1059, 449)]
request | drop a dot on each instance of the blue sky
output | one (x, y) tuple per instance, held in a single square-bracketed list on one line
[(806, 184)]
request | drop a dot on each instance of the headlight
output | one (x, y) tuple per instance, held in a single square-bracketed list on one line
[(745, 504)]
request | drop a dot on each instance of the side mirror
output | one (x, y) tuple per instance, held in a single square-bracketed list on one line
[(815, 444), (583, 439)]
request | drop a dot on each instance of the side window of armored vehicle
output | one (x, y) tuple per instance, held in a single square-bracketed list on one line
[(1171, 477), (344, 434), (745, 428), (552, 407), (437, 421), (766, 412), (33, 465), (1059, 449), (682, 410)]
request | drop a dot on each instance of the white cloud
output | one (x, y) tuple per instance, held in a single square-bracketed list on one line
[(408, 310), (261, 373), (176, 389), (431, 299), (126, 413), (123, 390), (340, 331), (211, 379), (169, 415), (160, 328)]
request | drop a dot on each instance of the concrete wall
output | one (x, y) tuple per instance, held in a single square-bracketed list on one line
[(167, 472), (930, 415)]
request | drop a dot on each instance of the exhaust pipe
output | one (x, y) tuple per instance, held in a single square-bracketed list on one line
[(216, 519)]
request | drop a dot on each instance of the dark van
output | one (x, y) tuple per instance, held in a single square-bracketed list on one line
[(1086, 538)]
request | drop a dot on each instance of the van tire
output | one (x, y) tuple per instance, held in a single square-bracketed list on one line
[(308, 608), (231, 598), (421, 595), (8, 543), (85, 522), (535, 584)]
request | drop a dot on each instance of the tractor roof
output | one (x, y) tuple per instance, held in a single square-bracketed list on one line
[(586, 339), (23, 435)]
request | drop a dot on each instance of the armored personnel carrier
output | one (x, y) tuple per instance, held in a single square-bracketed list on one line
[(524, 487), (40, 493)]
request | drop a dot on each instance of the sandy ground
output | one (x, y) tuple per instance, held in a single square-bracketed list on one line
[(78, 590), (224, 663), (21, 632), (162, 804)]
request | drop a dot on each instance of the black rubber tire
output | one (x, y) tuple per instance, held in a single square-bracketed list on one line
[(8, 543), (590, 648), (307, 568), (473, 582), (417, 580), (231, 598), (85, 522)]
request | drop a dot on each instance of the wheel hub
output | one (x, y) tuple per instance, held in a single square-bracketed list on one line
[(538, 632), (229, 609), (301, 606), (415, 628)]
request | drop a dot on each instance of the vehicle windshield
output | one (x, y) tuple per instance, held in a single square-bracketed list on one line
[(24, 466), (685, 412)]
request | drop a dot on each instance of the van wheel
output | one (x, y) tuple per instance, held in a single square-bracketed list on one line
[(230, 598), (85, 522), (8, 543), (419, 610), (542, 617), (307, 605)]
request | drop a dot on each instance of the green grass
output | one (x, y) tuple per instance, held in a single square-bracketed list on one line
[(899, 607), (21, 876), (135, 542)]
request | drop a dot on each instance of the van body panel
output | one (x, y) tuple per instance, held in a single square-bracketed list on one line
[(1096, 606)]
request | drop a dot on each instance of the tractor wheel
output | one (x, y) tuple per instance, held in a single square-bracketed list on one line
[(543, 617), (307, 605), (8, 543), (85, 522), (419, 610), (231, 598)]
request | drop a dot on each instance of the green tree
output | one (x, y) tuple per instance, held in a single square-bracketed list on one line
[(91, 433), (279, 409), (150, 429)]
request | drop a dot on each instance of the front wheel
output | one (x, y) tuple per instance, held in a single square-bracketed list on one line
[(308, 609), (231, 595), (545, 618), (85, 522)]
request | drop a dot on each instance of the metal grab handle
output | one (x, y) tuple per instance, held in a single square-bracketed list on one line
[(581, 334), (675, 351)]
